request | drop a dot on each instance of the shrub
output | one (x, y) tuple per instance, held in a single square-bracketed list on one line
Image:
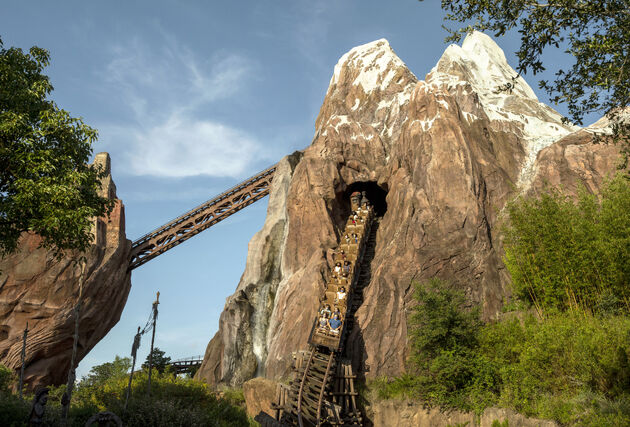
[(12, 409), (569, 367), (174, 401), (562, 253), (445, 367), (547, 367)]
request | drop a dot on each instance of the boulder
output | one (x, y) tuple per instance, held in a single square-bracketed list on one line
[(39, 289), (259, 394)]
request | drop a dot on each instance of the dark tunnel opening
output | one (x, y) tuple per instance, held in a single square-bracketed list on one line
[(374, 192)]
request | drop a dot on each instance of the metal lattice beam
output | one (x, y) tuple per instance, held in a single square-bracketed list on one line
[(200, 218)]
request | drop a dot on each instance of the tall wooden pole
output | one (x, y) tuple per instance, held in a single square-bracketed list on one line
[(23, 360), (71, 374), (134, 353), (155, 314)]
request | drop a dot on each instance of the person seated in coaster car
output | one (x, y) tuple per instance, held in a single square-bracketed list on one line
[(334, 324), (336, 312), (341, 294), (337, 269), (325, 311), (346, 268), (322, 326)]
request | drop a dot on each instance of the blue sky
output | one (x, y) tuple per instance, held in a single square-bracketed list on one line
[(191, 97)]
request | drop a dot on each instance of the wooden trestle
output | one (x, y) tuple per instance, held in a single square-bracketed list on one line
[(200, 218), (323, 392)]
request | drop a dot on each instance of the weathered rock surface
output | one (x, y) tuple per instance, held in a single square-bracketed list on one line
[(37, 289), (439, 158), (259, 394), (575, 161), (413, 414)]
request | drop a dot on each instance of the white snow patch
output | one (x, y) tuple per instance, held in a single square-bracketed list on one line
[(356, 104), (470, 117), (343, 120), (481, 63), (398, 100), (425, 124), (384, 104), (376, 61), (368, 137)]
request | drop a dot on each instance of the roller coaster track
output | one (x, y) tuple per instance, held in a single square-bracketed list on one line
[(200, 218), (323, 392)]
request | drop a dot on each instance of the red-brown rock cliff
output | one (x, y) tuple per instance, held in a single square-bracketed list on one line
[(37, 288), (440, 157)]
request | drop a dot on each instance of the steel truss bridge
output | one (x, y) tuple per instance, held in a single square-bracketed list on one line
[(200, 218)]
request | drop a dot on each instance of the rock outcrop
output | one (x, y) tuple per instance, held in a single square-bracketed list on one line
[(575, 161), (260, 394), (413, 414), (439, 158), (38, 289)]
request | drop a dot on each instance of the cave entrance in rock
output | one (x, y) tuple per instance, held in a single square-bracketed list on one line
[(374, 192)]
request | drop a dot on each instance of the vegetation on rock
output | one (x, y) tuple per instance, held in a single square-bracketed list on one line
[(568, 359), (46, 184)]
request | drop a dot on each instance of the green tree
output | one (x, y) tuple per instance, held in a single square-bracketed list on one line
[(46, 184), (440, 322), (99, 374), (160, 360), (595, 32), (444, 337)]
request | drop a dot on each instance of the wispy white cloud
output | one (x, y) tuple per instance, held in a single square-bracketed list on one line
[(165, 91), (182, 146)]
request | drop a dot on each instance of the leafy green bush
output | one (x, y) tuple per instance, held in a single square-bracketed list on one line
[(562, 253), (12, 409), (445, 367), (160, 361), (569, 367), (546, 367), (100, 374), (174, 401)]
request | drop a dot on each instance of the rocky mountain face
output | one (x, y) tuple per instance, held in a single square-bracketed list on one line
[(38, 289), (439, 158)]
